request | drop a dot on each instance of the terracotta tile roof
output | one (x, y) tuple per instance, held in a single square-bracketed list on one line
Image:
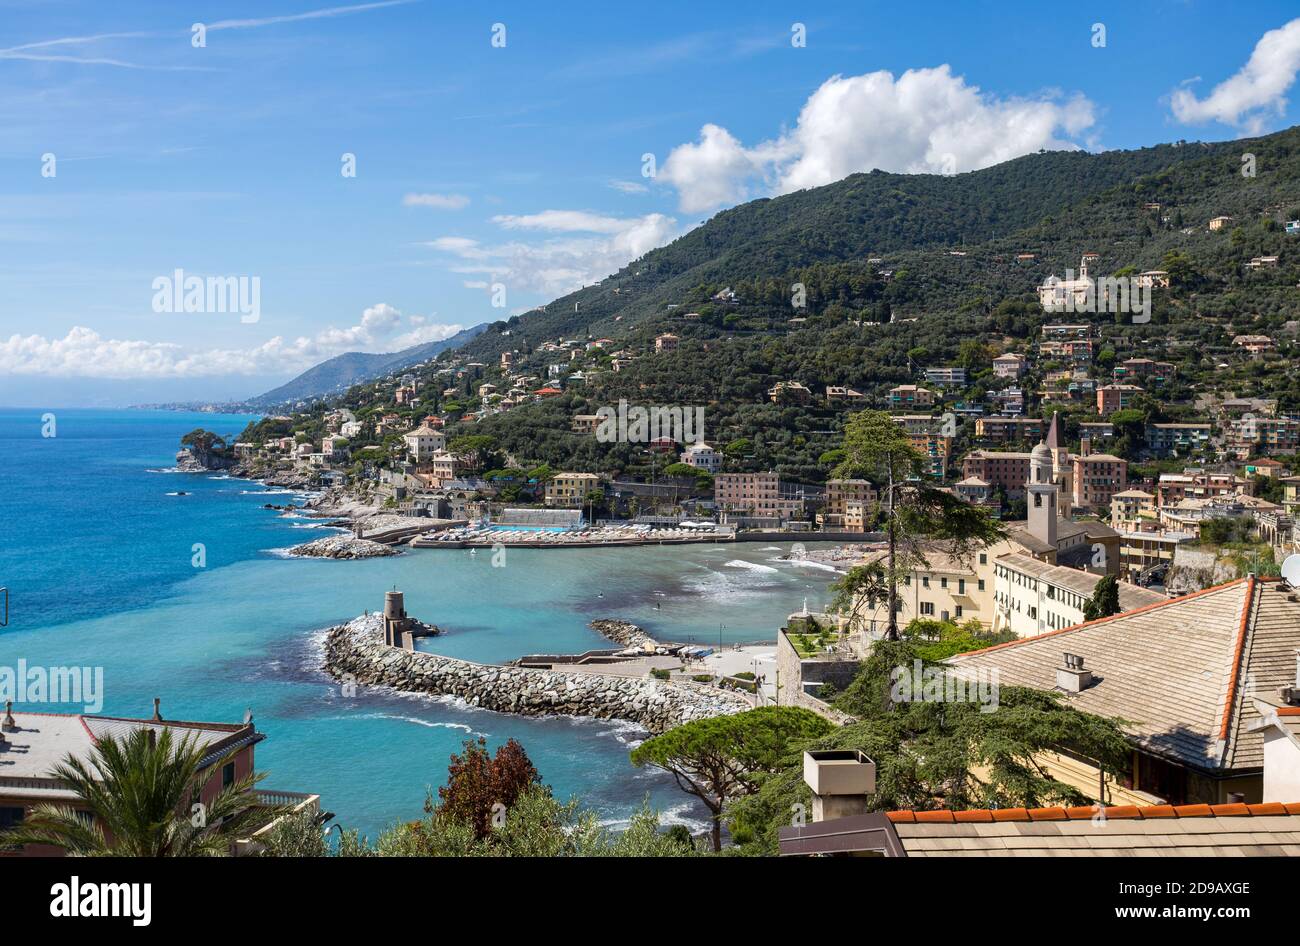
[(1182, 672), (1088, 812), (1126, 831)]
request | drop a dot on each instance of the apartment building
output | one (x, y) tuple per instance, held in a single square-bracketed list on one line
[(906, 396), (1134, 510), (947, 376), (1141, 552), (1164, 440), (1096, 478), (1033, 597), (1002, 429), (1159, 372), (848, 503), (1263, 436), (757, 495), (569, 490), (1199, 484), (1010, 365), (1010, 471), (1115, 397)]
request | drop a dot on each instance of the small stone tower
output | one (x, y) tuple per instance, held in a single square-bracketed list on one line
[(396, 623)]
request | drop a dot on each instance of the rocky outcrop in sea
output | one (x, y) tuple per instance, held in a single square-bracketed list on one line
[(355, 653), (342, 546), (198, 460)]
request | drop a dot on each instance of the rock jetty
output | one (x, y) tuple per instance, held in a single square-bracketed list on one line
[(355, 652), (342, 546), (624, 633)]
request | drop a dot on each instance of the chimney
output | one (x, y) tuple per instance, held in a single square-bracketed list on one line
[(1291, 695), (1071, 677), (842, 782), (157, 716)]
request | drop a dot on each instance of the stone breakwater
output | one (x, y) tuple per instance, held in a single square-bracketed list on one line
[(623, 633), (356, 652), (342, 546)]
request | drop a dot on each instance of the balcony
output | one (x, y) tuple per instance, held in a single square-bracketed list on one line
[(291, 802)]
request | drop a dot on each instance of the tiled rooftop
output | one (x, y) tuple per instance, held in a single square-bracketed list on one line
[(1181, 673), (1125, 831)]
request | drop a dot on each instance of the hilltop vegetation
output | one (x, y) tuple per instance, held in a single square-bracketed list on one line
[(952, 261)]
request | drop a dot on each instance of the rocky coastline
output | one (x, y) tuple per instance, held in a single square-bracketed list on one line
[(355, 653)]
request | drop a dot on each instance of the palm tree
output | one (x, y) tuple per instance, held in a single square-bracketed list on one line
[(142, 791)]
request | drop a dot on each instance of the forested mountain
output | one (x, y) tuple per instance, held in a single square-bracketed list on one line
[(336, 375), (862, 216), (901, 273)]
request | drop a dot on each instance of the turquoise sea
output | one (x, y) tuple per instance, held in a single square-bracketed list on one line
[(98, 559)]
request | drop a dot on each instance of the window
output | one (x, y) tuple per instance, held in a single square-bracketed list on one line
[(958, 610), (981, 585), (927, 608), (943, 582), (925, 581), (228, 775)]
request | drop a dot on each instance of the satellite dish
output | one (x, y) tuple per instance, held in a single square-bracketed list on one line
[(1291, 571)]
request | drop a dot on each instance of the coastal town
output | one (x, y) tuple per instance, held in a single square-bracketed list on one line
[(1095, 517), (670, 433)]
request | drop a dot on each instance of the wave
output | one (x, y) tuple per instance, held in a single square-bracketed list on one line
[(426, 722), (677, 814), (751, 566), (173, 469), (807, 563)]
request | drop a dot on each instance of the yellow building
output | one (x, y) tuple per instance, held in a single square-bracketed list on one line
[(569, 490)]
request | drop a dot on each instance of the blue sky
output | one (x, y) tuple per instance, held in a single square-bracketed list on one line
[(516, 165)]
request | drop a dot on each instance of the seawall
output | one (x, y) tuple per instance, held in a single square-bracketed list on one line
[(355, 652)]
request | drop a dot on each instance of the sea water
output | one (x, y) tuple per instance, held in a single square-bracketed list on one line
[(99, 553)]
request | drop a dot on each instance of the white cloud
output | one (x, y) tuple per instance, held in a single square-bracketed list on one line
[(1258, 90), (560, 265), (436, 201), (564, 221), (26, 50), (84, 353), (629, 187), (923, 121)]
